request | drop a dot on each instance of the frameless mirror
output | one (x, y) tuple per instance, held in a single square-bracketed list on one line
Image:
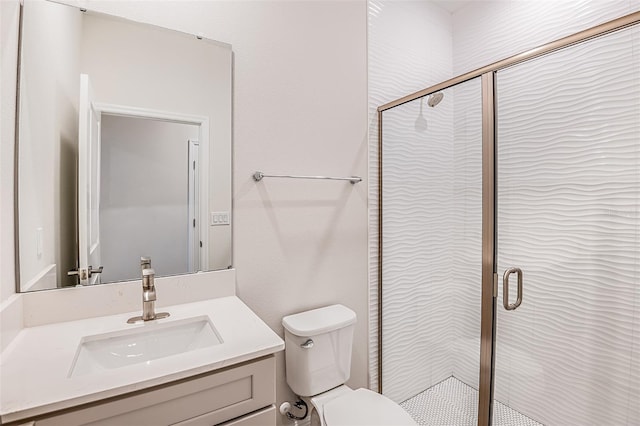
[(124, 149)]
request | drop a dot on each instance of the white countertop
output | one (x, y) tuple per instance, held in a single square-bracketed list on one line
[(35, 367)]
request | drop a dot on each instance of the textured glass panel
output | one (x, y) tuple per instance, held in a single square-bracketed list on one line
[(432, 251), (568, 215)]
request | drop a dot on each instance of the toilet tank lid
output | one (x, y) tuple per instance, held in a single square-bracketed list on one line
[(319, 321)]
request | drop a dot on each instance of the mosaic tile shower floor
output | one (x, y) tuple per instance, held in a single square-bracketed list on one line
[(453, 403)]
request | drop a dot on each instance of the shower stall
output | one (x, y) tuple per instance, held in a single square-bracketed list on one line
[(509, 226)]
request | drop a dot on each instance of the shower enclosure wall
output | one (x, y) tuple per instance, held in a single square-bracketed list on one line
[(532, 163)]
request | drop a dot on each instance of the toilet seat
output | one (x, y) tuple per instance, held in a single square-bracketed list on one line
[(366, 408)]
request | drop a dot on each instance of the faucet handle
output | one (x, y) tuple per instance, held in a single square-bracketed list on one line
[(145, 262)]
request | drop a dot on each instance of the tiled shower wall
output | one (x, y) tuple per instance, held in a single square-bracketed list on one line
[(487, 31), (482, 33), (569, 216), (400, 62), (419, 223)]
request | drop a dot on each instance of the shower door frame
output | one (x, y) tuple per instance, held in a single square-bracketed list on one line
[(489, 237)]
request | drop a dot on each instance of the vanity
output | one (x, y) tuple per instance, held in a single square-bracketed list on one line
[(126, 154), (210, 362)]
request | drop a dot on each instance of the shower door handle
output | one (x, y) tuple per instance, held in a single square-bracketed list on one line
[(505, 289)]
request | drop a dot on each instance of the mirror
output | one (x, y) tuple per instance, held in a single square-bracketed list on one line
[(124, 149)]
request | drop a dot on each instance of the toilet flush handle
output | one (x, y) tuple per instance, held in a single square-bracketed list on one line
[(307, 345)]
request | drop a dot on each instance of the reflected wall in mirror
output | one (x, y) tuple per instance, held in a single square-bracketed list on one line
[(148, 196), (106, 170)]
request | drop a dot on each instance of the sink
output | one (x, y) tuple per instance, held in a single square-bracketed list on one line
[(143, 344)]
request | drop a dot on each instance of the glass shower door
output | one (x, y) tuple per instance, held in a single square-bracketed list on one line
[(431, 255), (568, 226)]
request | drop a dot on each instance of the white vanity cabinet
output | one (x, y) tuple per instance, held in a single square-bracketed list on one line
[(232, 380), (242, 395)]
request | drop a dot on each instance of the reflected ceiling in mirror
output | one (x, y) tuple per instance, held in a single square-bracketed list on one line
[(117, 157)]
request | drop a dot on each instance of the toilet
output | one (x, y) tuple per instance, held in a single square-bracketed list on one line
[(318, 361)]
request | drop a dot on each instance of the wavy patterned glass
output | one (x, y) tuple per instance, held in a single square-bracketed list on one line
[(431, 242), (568, 190)]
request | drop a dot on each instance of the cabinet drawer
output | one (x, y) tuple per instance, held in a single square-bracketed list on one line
[(221, 395), (264, 417)]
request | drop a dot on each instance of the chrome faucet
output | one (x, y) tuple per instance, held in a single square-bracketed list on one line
[(148, 295)]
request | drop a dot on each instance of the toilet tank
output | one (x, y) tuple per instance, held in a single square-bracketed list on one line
[(318, 348)]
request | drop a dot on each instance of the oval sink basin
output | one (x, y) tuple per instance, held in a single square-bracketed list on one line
[(142, 344)]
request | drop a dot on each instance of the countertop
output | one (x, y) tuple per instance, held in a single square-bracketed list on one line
[(35, 367)]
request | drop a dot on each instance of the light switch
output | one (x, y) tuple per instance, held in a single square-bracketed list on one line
[(220, 218)]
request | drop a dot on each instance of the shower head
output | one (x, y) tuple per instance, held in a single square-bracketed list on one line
[(435, 98)]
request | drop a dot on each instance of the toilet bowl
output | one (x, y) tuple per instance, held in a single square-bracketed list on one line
[(361, 407), (318, 361)]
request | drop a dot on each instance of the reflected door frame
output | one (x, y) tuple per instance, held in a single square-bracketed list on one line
[(89, 152), (203, 152), (195, 223)]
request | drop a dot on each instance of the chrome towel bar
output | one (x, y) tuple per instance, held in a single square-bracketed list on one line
[(257, 176)]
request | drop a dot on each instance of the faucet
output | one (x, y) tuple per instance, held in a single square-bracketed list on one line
[(148, 295)]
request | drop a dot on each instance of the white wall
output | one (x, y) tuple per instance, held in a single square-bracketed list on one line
[(300, 106), (48, 142), (11, 313), (9, 17), (144, 196)]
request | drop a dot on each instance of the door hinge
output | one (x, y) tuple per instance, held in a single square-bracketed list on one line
[(194, 221)]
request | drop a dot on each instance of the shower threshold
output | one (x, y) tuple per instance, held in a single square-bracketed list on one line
[(454, 403)]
